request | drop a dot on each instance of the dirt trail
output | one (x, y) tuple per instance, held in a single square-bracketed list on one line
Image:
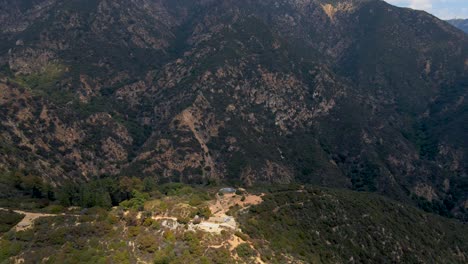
[(28, 220), (233, 243), (219, 209), (164, 218), (220, 220), (223, 203)]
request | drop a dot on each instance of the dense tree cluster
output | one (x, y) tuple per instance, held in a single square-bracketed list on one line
[(105, 192)]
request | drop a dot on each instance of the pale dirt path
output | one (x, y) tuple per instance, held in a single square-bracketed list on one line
[(220, 220), (222, 204), (233, 243), (28, 220), (206, 226), (219, 209), (164, 218)]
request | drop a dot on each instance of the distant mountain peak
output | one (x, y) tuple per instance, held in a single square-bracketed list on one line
[(460, 23)]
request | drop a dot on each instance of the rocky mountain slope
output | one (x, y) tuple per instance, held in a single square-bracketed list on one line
[(460, 23), (356, 94)]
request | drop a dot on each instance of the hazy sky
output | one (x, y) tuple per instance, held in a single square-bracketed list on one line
[(444, 9)]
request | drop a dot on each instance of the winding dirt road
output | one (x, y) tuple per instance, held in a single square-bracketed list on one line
[(28, 219)]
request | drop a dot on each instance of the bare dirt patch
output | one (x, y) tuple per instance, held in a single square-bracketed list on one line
[(222, 204)]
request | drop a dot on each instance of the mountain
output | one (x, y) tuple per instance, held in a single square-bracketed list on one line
[(350, 94), (460, 23)]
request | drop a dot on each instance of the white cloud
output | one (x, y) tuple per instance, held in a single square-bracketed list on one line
[(441, 8), (398, 2), (415, 4), (421, 4), (448, 13)]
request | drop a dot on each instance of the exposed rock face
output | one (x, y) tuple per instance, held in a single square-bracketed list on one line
[(356, 94)]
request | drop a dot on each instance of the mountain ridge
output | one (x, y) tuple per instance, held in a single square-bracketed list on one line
[(460, 23)]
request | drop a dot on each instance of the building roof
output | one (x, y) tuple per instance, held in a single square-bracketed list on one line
[(227, 190)]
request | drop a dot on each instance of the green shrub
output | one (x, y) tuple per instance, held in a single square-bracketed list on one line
[(148, 222), (9, 219), (57, 237), (147, 243), (156, 206), (169, 236), (134, 231), (156, 225), (137, 202), (112, 219), (245, 251), (204, 212), (55, 209), (25, 236), (176, 189), (8, 249), (219, 256), (163, 257), (183, 220), (122, 257), (241, 235), (195, 200)]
